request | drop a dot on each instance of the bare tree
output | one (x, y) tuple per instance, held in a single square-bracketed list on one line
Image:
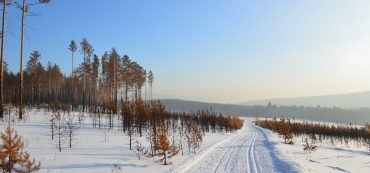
[(59, 128), (139, 149), (57, 124), (72, 126), (20, 102), (24, 8), (4, 3), (309, 144), (52, 119)]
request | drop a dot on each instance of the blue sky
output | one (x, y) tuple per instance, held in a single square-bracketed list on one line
[(214, 50)]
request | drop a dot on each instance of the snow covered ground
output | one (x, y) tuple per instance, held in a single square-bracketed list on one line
[(327, 158), (94, 149), (248, 150), (251, 149)]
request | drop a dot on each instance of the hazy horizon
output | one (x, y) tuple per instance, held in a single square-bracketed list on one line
[(214, 51), (263, 99)]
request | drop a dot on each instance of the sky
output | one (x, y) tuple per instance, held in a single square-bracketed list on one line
[(213, 50)]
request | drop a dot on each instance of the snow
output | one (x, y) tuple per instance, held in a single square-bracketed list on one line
[(94, 149), (327, 158), (251, 149), (248, 150)]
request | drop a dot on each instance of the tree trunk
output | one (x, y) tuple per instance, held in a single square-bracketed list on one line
[(126, 88), (115, 85), (72, 86), (89, 82), (2, 61), (59, 135), (52, 130), (130, 137), (70, 140), (165, 158), (59, 143), (84, 84), (21, 63)]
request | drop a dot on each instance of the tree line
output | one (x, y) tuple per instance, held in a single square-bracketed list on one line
[(316, 113), (25, 7), (168, 133), (287, 129), (97, 81)]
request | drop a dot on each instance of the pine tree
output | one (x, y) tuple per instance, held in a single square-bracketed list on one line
[(73, 49), (126, 74), (12, 157), (150, 81), (138, 78), (87, 51), (113, 69), (32, 67), (94, 77), (286, 130), (104, 77), (194, 136), (162, 145)]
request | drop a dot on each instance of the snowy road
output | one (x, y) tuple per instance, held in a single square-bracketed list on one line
[(248, 150)]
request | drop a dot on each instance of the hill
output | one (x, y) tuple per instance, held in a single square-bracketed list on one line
[(349, 100), (315, 113)]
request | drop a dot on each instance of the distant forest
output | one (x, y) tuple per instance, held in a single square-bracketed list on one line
[(95, 82), (317, 113)]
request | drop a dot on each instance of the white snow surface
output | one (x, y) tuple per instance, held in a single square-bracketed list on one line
[(251, 149), (328, 158), (247, 150)]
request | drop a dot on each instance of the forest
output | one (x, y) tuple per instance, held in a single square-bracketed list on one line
[(96, 82), (109, 88)]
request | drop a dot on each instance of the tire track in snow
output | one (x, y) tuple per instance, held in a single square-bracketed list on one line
[(243, 157), (251, 159), (235, 148), (190, 163), (228, 154), (241, 152), (238, 158), (255, 166), (220, 161)]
